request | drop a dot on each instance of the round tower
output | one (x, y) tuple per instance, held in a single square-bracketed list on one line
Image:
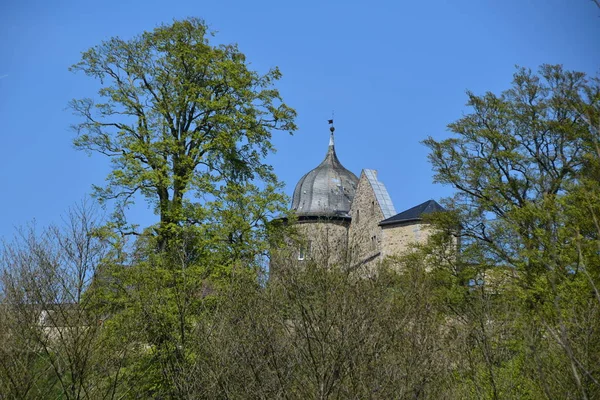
[(322, 200)]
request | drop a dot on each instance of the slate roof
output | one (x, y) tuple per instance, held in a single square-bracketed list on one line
[(413, 214), (381, 193), (327, 190)]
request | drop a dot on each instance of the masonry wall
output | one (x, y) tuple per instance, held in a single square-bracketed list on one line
[(326, 241), (364, 233), (323, 241), (396, 239)]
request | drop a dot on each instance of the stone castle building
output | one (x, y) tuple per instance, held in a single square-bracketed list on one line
[(342, 219)]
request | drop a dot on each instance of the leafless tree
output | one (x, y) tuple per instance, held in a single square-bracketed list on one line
[(52, 341)]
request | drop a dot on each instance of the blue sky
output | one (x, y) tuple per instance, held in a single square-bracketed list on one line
[(395, 72)]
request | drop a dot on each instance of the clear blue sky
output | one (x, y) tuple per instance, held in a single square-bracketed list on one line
[(394, 71)]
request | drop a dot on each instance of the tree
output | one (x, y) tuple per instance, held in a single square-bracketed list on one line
[(524, 165), (187, 125), (178, 115), (52, 343), (319, 332), (513, 151)]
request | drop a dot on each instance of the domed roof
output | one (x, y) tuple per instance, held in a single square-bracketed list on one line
[(326, 191)]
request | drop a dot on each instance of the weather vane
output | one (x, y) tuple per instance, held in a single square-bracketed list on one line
[(331, 128)]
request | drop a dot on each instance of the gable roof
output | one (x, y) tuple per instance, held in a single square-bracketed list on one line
[(414, 214), (381, 193)]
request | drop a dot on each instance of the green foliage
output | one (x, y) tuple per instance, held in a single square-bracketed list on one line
[(324, 333), (187, 124), (524, 166), (502, 302), (52, 342), (179, 117)]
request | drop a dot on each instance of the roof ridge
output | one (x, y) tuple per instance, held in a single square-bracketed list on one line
[(381, 194)]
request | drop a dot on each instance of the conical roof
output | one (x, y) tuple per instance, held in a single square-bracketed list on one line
[(327, 190)]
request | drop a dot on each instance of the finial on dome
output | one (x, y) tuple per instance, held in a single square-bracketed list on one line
[(331, 129), (328, 189)]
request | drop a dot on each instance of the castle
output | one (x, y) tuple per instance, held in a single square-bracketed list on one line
[(342, 219)]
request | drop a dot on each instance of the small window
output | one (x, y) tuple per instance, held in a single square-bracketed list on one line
[(304, 251), (373, 242), (373, 208), (357, 216)]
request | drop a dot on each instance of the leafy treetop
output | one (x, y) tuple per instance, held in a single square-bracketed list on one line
[(178, 114)]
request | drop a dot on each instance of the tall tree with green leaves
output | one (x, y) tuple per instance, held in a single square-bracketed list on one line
[(187, 125), (521, 164), (522, 149), (179, 117)]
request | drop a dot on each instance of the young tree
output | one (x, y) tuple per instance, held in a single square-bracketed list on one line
[(178, 116), (326, 333), (52, 344)]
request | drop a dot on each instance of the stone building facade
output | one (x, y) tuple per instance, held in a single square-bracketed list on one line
[(342, 219)]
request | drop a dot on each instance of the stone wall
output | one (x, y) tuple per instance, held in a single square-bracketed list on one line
[(322, 240), (355, 242), (364, 233), (396, 239), (326, 241)]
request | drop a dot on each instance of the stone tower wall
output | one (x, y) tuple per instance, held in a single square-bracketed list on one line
[(365, 232), (326, 241), (323, 241)]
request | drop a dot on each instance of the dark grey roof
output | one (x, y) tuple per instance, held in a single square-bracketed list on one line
[(414, 214), (327, 190)]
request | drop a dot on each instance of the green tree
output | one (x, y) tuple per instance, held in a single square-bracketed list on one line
[(187, 125), (178, 116), (523, 164), (324, 333), (513, 152)]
